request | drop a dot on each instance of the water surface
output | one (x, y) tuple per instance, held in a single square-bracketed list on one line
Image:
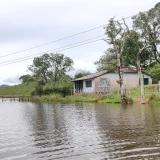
[(81, 131)]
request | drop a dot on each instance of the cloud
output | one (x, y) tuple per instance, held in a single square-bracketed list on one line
[(28, 23), (12, 80)]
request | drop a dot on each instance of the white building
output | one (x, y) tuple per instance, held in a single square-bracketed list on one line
[(104, 81)]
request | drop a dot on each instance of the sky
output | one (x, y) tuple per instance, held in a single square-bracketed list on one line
[(29, 23)]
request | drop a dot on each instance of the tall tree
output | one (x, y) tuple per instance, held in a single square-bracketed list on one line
[(147, 24), (107, 61), (26, 78), (140, 42), (129, 56), (131, 50), (155, 73), (50, 67), (60, 64), (40, 67), (116, 37), (81, 73)]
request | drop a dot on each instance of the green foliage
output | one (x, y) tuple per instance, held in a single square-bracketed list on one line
[(48, 89), (154, 99), (74, 98), (18, 90), (50, 67), (39, 88), (60, 64), (80, 74), (147, 24), (107, 62), (149, 90), (27, 78), (63, 86), (112, 98), (41, 67), (49, 71), (131, 49), (155, 73)]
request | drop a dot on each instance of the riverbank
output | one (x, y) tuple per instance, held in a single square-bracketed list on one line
[(24, 91), (77, 98)]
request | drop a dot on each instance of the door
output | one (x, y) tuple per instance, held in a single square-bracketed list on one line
[(146, 81)]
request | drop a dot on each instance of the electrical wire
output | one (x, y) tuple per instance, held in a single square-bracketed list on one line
[(59, 39), (56, 50), (20, 60)]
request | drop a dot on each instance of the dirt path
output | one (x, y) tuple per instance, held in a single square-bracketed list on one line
[(138, 100)]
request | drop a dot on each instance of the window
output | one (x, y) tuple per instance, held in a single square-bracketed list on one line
[(104, 82), (145, 81), (88, 83)]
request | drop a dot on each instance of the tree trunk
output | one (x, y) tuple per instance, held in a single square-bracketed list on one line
[(44, 75), (120, 73), (140, 79), (155, 53)]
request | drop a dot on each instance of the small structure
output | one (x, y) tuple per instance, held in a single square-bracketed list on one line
[(105, 82)]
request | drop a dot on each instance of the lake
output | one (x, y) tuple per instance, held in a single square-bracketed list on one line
[(82, 131)]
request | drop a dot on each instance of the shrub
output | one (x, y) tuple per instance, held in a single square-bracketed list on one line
[(48, 89)]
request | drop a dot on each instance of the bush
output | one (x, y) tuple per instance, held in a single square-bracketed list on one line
[(64, 90), (48, 89)]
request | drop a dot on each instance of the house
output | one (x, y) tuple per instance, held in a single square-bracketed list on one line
[(104, 81)]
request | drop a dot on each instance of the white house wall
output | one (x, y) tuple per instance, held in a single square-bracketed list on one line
[(89, 89), (131, 80)]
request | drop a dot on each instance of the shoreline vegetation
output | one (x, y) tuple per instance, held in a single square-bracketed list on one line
[(134, 47), (24, 91)]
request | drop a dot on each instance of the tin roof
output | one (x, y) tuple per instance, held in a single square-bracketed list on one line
[(91, 76), (97, 74)]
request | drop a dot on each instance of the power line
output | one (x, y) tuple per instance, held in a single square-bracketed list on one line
[(59, 39), (55, 51), (52, 49)]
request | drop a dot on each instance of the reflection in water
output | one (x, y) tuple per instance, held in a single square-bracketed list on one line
[(78, 131)]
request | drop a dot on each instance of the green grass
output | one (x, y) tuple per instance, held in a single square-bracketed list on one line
[(74, 98), (149, 90), (26, 89), (113, 98), (154, 98), (17, 90)]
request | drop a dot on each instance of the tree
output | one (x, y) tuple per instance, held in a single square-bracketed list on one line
[(60, 64), (147, 24), (41, 67), (63, 86), (80, 74), (131, 50), (107, 62), (26, 78), (155, 73), (129, 56), (50, 67), (116, 37), (140, 42)]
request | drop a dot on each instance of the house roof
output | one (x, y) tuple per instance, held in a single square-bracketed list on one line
[(91, 76), (97, 74)]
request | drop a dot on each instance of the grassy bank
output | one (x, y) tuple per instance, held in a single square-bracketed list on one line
[(77, 98), (17, 90), (25, 90)]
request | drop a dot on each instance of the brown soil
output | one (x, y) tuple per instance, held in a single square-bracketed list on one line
[(138, 100)]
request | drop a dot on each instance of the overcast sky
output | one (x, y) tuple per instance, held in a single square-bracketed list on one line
[(28, 23)]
